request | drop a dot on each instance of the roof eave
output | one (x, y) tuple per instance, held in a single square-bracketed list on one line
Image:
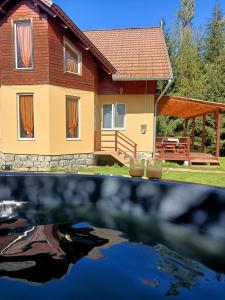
[(132, 78)]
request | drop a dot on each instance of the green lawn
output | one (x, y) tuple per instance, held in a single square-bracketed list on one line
[(201, 178)]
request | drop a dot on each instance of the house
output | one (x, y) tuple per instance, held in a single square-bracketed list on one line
[(68, 96)]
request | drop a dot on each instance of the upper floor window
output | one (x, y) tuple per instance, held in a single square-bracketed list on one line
[(23, 44), (72, 59)]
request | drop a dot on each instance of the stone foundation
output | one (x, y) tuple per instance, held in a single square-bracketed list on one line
[(35, 163)]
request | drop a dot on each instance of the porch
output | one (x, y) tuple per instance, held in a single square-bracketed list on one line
[(179, 149), (183, 148)]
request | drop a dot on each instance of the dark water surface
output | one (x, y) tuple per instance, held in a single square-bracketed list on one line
[(96, 237), (85, 262)]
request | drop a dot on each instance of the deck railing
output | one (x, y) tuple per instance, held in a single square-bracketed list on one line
[(114, 141), (173, 148)]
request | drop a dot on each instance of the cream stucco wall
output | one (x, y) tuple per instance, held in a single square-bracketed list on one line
[(139, 110), (58, 142), (50, 120), (9, 138)]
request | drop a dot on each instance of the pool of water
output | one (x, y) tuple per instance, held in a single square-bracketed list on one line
[(81, 261), (98, 240)]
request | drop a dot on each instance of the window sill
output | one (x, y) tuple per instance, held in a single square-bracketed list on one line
[(71, 73), (113, 129), (26, 139), (24, 69), (73, 139)]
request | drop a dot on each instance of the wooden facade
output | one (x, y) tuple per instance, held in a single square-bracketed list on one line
[(40, 74)]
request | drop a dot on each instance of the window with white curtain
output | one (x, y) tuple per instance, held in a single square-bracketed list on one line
[(23, 44), (113, 116)]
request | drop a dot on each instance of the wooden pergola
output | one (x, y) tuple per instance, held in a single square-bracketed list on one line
[(190, 109)]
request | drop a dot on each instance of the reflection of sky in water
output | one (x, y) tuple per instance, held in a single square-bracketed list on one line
[(126, 271)]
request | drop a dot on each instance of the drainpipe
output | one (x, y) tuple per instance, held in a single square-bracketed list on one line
[(155, 114)]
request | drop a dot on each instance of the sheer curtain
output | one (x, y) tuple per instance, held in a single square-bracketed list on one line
[(72, 117), (24, 43), (27, 114)]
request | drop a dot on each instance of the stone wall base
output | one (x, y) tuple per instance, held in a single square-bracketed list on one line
[(45, 163)]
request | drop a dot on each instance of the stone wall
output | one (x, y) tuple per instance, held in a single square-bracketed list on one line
[(37, 163)]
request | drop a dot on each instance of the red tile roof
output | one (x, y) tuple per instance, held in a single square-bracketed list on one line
[(136, 53)]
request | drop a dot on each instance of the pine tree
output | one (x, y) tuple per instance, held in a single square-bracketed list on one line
[(215, 57), (215, 41)]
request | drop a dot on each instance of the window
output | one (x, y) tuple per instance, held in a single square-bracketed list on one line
[(72, 59), (113, 116), (72, 117), (23, 44), (26, 116)]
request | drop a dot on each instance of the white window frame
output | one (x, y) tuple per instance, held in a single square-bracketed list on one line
[(18, 117), (79, 55), (79, 119), (15, 44), (113, 117)]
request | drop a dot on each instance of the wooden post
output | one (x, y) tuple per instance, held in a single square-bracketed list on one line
[(94, 140), (193, 135), (135, 150), (203, 133), (186, 126), (218, 119), (116, 140), (188, 150)]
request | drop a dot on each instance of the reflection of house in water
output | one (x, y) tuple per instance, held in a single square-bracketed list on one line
[(114, 237), (41, 253)]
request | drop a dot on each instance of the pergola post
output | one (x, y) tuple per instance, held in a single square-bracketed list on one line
[(193, 135), (203, 133), (186, 126), (218, 121)]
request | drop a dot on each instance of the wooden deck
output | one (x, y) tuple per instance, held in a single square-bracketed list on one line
[(179, 149), (203, 159)]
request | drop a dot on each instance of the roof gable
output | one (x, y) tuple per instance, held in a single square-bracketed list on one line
[(136, 53), (59, 15)]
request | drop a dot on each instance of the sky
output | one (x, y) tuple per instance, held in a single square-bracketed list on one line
[(106, 14)]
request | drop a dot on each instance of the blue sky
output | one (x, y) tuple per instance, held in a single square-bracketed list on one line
[(101, 14)]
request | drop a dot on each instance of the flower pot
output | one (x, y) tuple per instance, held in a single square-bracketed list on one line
[(136, 172), (154, 173)]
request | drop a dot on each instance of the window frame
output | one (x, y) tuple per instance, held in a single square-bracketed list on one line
[(66, 42), (113, 117), (19, 119), (15, 45), (79, 119)]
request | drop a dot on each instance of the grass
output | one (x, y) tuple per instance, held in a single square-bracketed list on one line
[(213, 179)]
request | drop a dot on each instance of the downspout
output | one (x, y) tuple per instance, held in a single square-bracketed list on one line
[(155, 114)]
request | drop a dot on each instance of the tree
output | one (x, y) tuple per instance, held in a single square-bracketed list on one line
[(215, 40), (187, 13), (215, 56)]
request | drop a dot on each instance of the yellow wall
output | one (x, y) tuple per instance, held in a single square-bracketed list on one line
[(50, 120), (58, 142), (139, 110), (9, 139)]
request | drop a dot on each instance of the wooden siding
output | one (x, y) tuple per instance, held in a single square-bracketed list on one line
[(88, 79), (49, 57), (109, 87), (40, 74)]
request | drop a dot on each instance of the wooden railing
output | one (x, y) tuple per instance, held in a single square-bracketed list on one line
[(173, 148), (114, 141)]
